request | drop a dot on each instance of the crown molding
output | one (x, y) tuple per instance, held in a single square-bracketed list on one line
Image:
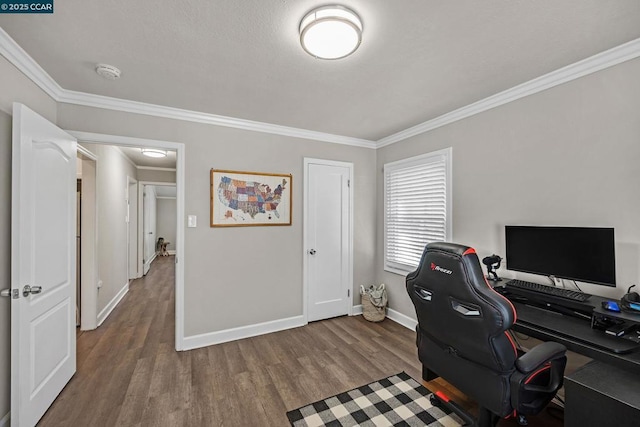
[(124, 156), (595, 63), (108, 103), (14, 53), (28, 66)]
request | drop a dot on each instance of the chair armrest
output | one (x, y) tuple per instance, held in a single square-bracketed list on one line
[(538, 355)]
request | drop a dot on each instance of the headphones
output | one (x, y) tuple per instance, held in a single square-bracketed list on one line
[(631, 301)]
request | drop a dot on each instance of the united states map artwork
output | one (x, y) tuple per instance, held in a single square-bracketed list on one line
[(250, 197)]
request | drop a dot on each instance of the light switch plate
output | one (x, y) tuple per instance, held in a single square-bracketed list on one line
[(192, 221)]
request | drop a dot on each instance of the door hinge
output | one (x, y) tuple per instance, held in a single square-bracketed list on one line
[(349, 183), (348, 292)]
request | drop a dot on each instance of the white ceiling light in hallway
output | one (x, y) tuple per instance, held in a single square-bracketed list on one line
[(330, 32), (154, 152)]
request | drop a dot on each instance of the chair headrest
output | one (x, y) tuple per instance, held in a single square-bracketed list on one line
[(455, 269)]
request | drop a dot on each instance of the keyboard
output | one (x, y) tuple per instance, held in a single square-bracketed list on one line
[(548, 290)]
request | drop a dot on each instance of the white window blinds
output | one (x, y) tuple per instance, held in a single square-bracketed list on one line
[(416, 209)]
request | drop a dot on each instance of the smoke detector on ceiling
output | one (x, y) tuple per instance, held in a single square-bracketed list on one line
[(107, 71)]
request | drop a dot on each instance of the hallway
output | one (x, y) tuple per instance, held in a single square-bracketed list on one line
[(122, 367)]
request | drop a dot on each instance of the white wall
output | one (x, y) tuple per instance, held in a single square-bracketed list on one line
[(14, 87), (166, 221), (111, 182), (567, 156), (225, 281)]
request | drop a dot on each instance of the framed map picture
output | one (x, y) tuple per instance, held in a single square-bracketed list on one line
[(250, 198)]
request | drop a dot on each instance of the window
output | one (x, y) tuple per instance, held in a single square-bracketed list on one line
[(417, 208)]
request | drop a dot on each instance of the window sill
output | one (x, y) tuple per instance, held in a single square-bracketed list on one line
[(398, 271)]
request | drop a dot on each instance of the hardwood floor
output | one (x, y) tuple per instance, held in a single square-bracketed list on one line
[(129, 374)]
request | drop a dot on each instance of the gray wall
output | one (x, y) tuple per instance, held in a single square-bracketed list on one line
[(14, 87), (111, 184), (152, 175), (567, 156), (166, 221), (224, 290)]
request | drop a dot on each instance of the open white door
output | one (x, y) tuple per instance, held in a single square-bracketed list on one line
[(43, 340)]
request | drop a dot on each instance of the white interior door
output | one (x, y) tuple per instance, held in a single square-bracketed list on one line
[(132, 228), (327, 240), (149, 226), (43, 340)]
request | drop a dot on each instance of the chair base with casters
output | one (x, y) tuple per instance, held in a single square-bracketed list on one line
[(463, 336), (485, 417)]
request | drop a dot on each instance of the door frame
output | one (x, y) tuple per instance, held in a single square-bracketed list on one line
[(89, 243), (179, 148), (141, 235), (132, 182), (305, 239)]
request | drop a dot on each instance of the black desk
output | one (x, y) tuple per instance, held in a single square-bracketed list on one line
[(575, 334), (605, 392)]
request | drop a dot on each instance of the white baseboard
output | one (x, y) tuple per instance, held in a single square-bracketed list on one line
[(5, 421), (403, 320), (102, 316), (233, 334), (396, 316), (155, 254), (171, 251)]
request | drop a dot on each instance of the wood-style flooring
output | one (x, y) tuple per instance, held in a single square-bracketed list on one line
[(129, 374)]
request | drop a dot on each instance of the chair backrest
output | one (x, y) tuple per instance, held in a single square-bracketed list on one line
[(458, 309)]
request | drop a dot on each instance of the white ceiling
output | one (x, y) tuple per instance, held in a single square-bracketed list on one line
[(135, 155), (418, 60), (165, 191)]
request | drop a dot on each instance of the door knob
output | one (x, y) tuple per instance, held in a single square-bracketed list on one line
[(31, 290), (312, 252)]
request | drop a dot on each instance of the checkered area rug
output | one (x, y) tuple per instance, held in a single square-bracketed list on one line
[(395, 401)]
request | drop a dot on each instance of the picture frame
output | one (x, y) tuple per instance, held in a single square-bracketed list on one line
[(246, 199)]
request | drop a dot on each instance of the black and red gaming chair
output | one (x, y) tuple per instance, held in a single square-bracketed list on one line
[(463, 336)]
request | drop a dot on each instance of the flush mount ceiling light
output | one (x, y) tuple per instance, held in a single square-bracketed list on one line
[(107, 71), (330, 32), (154, 152)]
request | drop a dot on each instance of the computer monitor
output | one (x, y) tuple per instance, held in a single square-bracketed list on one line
[(583, 254)]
